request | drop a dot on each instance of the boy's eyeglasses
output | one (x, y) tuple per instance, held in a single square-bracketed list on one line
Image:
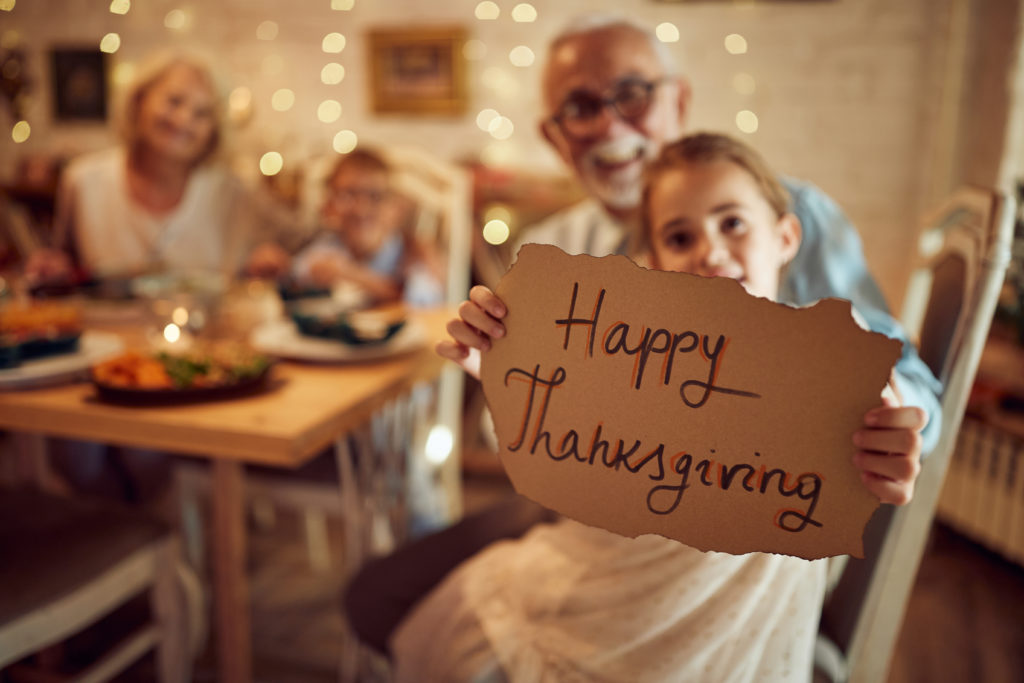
[(580, 114)]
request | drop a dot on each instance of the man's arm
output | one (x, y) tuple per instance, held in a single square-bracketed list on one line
[(831, 263)]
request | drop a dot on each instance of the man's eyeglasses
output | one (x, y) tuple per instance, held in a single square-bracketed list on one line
[(580, 114)]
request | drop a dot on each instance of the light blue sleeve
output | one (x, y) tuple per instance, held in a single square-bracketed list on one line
[(830, 263)]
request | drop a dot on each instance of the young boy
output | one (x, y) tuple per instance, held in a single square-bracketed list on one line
[(572, 602), (363, 242)]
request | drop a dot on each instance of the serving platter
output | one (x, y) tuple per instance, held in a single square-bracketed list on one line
[(93, 347), (150, 397), (282, 339)]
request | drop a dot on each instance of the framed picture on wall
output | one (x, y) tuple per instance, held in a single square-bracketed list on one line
[(418, 71), (79, 79)]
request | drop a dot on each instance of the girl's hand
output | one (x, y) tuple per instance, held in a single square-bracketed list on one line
[(479, 320), (889, 455)]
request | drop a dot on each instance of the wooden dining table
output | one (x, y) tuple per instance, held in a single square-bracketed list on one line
[(305, 408)]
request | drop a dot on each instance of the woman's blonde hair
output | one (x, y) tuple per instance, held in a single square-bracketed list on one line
[(148, 74)]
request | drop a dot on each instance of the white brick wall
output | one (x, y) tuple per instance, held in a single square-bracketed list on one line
[(847, 90)]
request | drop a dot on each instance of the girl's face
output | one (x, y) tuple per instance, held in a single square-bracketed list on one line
[(357, 208), (177, 115), (711, 219)]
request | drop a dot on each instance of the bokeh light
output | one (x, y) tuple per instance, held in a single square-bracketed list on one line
[(123, 73), (496, 231), (521, 56), (344, 141), (240, 104), (501, 128), (179, 316), (735, 44), (21, 131), (333, 43), (175, 19), (744, 84), (344, 5), (439, 444), (500, 154), (120, 6), (746, 121), (271, 163), (329, 111), (110, 43), (667, 32), (474, 50), (500, 81), (267, 30), (6, 5), (487, 11), (485, 117), (282, 100), (332, 73), (524, 12), (172, 332)]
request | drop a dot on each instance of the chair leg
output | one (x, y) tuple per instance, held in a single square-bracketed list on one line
[(173, 661), (318, 545)]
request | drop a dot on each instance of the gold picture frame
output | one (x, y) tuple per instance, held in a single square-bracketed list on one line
[(418, 71)]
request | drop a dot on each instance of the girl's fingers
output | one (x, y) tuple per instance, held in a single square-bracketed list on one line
[(488, 301), (888, 491), (476, 317), (888, 440), (452, 350), (467, 336), (897, 468), (888, 417)]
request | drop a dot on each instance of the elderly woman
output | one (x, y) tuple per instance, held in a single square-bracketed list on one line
[(159, 202)]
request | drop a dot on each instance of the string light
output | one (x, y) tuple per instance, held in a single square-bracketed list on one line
[(6, 5), (746, 121), (735, 44), (282, 100), (175, 20), (329, 111), (267, 30), (501, 128), (667, 32), (332, 73), (524, 13), (21, 131), (172, 332), (496, 231), (521, 56), (271, 163), (333, 43), (345, 141), (120, 6), (123, 73), (344, 5), (110, 43), (487, 11), (485, 117)]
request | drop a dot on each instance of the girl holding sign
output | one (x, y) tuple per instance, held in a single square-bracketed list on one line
[(573, 602)]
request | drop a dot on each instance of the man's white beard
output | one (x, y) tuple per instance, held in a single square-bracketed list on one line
[(623, 188)]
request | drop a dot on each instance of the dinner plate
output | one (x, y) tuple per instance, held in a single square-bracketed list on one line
[(93, 347), (281, 338), (152, 397)]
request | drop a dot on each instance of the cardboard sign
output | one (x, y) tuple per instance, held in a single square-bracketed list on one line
[(653, 402)]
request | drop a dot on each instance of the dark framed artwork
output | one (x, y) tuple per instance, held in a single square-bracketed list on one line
[(79, 77), (418, 71)]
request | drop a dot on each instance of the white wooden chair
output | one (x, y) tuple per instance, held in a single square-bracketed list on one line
[(964, 253), (66, 563)]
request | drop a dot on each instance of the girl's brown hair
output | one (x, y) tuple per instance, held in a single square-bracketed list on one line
[(702, 148)]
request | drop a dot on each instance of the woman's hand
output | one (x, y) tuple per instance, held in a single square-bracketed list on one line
[(889, 450), (479, 321)]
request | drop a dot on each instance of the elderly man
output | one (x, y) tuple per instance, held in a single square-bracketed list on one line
[(613, 98)]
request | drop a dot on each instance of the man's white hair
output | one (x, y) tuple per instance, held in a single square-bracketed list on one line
[(588, 23)]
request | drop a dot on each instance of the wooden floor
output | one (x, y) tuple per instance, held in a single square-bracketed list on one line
[(965, 620)]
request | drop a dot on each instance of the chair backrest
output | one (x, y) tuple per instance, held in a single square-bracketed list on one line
[(952, 295)]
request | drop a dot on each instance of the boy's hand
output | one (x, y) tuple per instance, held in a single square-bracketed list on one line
[(478, 321), (889, 455)]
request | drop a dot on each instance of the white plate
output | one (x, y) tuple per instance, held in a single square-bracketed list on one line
[(92, 348), (281, 338)]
